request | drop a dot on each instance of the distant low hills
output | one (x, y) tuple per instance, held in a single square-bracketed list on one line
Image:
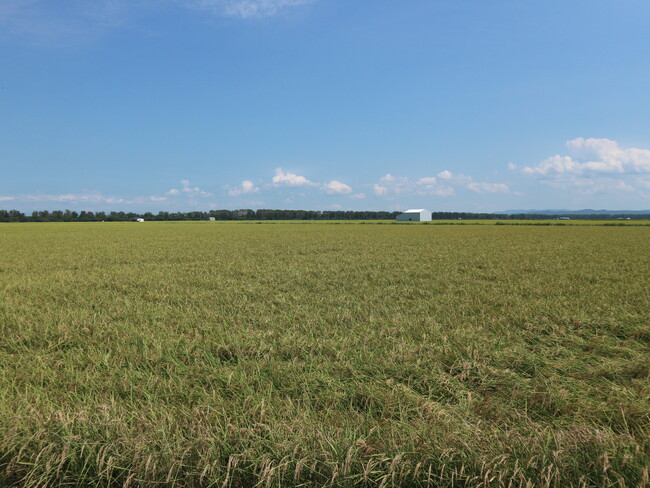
[(564, 211)]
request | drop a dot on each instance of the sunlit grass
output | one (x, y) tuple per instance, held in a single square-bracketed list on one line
[(235, 354)]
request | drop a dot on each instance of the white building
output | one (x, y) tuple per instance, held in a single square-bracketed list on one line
[(139, 220), (414, 215)]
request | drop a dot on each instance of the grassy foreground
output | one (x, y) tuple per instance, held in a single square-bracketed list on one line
[(209, 354)]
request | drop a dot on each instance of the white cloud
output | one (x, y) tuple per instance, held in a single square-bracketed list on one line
[(248, 187), (157, 199), (289, 179), (484, 188), (593, 156), (336, 206), (593, 166), (245, 187), (358, 196), (555, 164), (7, 199), (445, 175), (173, 192), (336, 187)]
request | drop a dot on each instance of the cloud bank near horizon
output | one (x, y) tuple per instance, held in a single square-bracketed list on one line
[(592, 167), (595, 165), (284, 184)]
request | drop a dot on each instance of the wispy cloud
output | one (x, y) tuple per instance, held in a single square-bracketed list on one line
[(380, 190), (183, 197), (586, 185), (86, 198), (391, 186), (46, 22), (431, 185), (445, 184), (89, 197), (484, 187), (243, 9), (186, 189), (67, 21), (427, 180)]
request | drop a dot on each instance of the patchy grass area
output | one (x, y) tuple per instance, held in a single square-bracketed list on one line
[(209, 354)]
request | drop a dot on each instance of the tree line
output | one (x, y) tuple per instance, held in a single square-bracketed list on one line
[(270, 214)]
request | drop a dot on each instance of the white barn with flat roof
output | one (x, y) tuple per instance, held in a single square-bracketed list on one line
[(414, 215)]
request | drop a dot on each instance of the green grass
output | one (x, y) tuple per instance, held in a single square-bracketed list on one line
[(212, 354)]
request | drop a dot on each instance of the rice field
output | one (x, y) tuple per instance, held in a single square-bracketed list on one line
[(203, 354)]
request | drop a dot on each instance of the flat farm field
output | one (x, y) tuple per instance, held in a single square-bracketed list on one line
[(278, 355)]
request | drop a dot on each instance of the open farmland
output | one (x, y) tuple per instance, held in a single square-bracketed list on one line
[(215, 354)]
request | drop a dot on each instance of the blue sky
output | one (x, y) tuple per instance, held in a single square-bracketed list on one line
[(462, 105)]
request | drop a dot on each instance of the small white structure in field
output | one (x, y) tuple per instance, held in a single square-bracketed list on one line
[(211, 219), (139, 220), (414, 215)]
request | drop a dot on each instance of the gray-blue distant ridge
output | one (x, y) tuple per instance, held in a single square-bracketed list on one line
[(586, 211)]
